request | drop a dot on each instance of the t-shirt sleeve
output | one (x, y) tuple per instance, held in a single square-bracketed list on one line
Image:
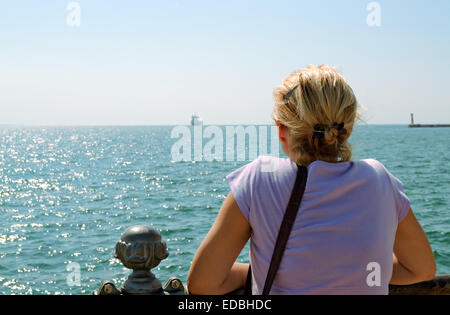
[(241, 184), (402, 201)]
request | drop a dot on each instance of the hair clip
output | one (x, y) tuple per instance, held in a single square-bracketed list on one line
[(319, 128), (340, 128), (289, 94), (319, 133)]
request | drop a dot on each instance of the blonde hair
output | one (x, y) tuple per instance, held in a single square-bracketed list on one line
[(319, 109)]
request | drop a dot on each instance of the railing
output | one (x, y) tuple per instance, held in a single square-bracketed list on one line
[(438, 286), (141, 248)]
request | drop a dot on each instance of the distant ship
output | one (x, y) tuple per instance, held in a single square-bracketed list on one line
[(196, 120)]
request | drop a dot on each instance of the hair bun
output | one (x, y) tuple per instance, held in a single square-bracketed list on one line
[(331, 135)]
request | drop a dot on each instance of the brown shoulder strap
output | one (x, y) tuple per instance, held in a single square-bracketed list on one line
[(248, 282), (286, 226)]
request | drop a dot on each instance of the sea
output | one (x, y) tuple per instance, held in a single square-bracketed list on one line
[(68, 193)]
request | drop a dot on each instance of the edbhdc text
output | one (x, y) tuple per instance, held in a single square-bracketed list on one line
[(226, 304)]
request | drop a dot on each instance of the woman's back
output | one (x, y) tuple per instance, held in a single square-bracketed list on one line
[(346, 238), (345, 227)]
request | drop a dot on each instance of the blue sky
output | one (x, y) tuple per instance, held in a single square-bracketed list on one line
[(156, 62)]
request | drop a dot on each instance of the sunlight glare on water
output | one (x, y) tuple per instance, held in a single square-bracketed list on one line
[(67, 194)]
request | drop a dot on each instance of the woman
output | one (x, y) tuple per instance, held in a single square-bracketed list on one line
[(355, 231)]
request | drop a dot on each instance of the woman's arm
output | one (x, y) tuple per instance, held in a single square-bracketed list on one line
[(214, 270), (413, 257)]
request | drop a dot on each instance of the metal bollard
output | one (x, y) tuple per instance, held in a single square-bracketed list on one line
[(141, 248)]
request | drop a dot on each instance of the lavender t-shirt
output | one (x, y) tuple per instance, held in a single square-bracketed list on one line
[(343, 236)]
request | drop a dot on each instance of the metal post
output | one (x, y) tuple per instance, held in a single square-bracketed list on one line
[(141, 248)]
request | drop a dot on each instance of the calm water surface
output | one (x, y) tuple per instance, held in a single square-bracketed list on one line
[(67, 194)]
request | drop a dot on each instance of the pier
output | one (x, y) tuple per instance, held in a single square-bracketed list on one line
[(413, 125)]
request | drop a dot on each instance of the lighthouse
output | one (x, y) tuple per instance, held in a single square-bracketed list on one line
[(413, 125)]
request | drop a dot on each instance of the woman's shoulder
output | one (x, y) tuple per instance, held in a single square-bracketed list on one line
[(270, 164), (265, 168), (371, 165), (376, 165), (381, 170), (275, 167), (259, 178), (402, 201)]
